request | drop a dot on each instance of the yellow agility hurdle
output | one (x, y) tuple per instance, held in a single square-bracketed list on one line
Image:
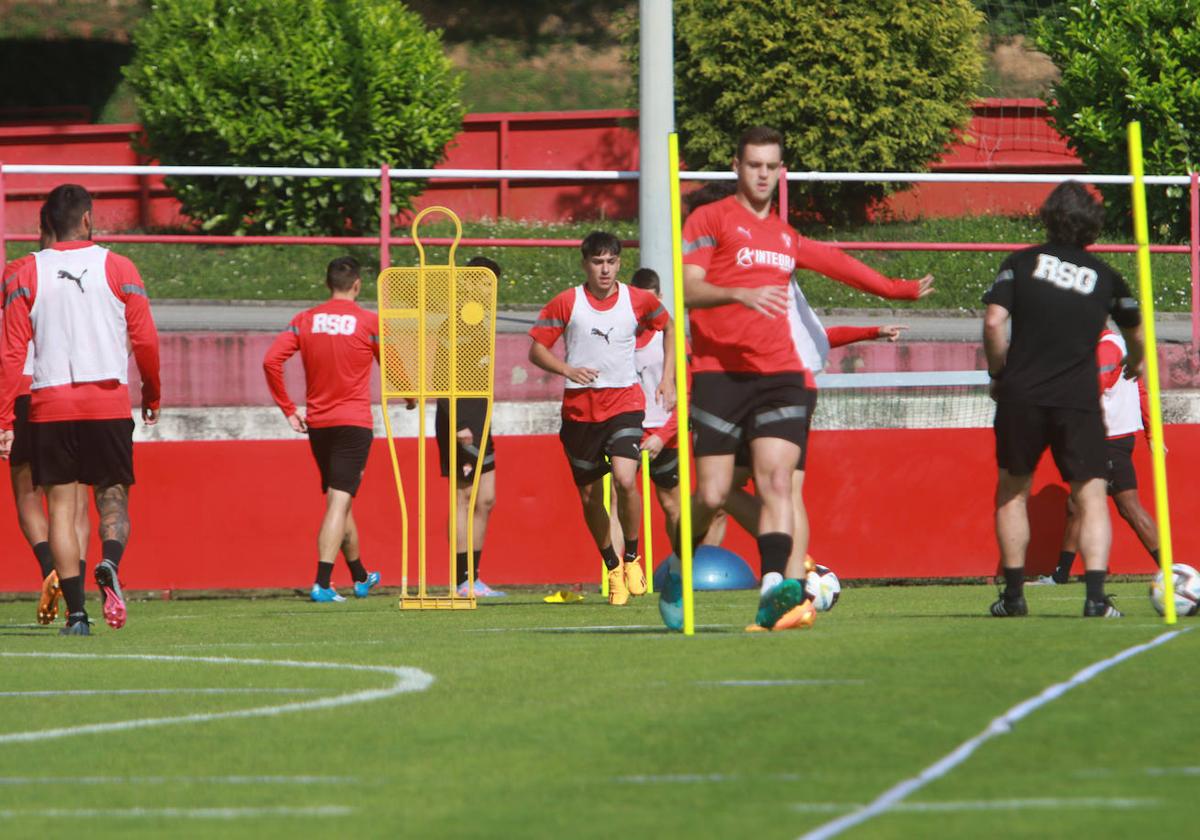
[(437, 332)]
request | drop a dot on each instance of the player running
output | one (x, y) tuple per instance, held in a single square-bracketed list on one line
[(1123, 404), (338, 341), (83, 308), (27, 496), (603, 407), (750, 386), (1045, 383), (469, 416)]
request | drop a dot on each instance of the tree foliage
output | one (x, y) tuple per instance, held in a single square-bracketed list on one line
[(1127, 60), (855, 85), (339, 83)]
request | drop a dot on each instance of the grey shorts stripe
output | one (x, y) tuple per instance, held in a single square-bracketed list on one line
[(668, 467), (473, 451), (715, 423), (580, 464), (778, 415), (619, 434)]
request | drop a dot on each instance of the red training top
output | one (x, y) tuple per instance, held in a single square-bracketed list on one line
[(337, 341), (9, 279), (738, 249), (594, 405), (104, 400)]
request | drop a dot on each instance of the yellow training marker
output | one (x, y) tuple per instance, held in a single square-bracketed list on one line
[(437, 331)]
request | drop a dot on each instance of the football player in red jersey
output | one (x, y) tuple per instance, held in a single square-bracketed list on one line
[(338, 342), (750, 385), (83, 308), (603, 406)]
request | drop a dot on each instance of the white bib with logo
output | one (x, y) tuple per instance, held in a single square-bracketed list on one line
[(603, 341)]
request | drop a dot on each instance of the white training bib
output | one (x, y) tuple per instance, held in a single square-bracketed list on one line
[(808, 333), (79, 328), (1121, 403), (603, 341), (648, 360)]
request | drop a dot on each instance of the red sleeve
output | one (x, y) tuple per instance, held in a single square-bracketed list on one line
[(1144, 402), (700, 236), (837, 264), (650, 312), (840, 336), (286, 344), (20, 290), (126, 284), (553, 318), (1108, 360)]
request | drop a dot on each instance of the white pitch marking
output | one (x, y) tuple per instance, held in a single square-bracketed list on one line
[(14, 781), (1117, 803), (177, 813), (757, 683), (998, 726), (704, 778), (406, 680), (93, 692)]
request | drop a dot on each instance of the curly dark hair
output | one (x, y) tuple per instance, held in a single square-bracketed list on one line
[(1072, 216)]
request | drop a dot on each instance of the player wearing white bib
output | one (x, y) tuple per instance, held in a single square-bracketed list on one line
[(603, 407), (1123, 404)]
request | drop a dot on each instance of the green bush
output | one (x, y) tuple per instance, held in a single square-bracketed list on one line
[(1126, 60), (340, 83), (855, 85)]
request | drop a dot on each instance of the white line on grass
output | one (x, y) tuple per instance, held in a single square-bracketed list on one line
[(1053, 804), (704, 778), (406, 680), (176, 813), (1002, 725), (15, 781), (93, 692), (761, 683)]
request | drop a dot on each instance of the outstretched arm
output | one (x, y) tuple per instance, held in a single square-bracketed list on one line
[(838, 265)]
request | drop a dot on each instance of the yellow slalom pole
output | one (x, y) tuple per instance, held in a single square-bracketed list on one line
[(1141, 233), (608, 510), (647, 524), (681, 392)]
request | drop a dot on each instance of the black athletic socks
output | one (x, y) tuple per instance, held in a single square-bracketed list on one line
[(324, 574), (1014, 583), (774, 549), (1063, 573), (460, 566), (111, 550), (631, 547), (1095, 585), (72, 590), (357, 572), (44, 558), (611, 561)]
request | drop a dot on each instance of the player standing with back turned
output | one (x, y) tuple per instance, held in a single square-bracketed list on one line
[(1046, 385)]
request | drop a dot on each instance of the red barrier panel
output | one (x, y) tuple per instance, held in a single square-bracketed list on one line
[(883, 504)]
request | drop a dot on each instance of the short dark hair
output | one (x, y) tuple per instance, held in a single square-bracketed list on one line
[(646, 278), (1072, 216), (707, 194), (484, 262), (600, 242), (64, 209), (341, 274), (759, 135)]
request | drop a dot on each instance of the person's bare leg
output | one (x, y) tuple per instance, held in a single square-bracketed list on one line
[(31, 514), (1139, 519), (112, 504), (349, 545), (1095, 527), (64, 544), (83, 523), (714, 481), (591, 496), (333, 525), (1012, 518), (485, 500), (795, 566), (668, 500)]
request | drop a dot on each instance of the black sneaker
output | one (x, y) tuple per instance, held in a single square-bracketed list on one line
[(1101, 609), (1005, 607), (77, 625)]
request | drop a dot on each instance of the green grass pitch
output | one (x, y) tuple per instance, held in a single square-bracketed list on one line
[(592, 721)]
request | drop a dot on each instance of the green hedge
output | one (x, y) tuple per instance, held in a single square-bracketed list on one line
[(340, 83)]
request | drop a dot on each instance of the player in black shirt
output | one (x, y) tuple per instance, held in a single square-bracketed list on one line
[(1045, 383)]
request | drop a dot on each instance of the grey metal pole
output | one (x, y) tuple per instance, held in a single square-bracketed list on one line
[(656, 120)]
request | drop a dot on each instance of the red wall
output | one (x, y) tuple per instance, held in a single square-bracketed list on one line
[(1004, 136), (883, 504)]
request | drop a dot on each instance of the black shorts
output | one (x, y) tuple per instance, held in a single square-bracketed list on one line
[(1075, 437), (741, 458), (664, 470), (1121, 474), (587, 444), (22, 448), (95, 452), (341, 455), (471, 413), (730, 409)]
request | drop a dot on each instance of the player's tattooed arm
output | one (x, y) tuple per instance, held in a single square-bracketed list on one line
[(112, 503)]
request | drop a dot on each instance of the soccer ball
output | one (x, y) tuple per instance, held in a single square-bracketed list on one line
[(1187, 590), (824, 587)]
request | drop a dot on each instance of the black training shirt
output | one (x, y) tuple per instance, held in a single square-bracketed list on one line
[(1059, 298)]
